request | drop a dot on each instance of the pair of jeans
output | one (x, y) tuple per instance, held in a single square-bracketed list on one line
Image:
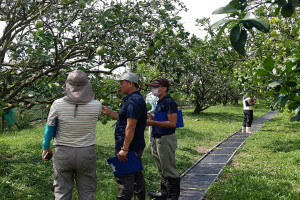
[(248, 118), (132, 184), (71, 163)]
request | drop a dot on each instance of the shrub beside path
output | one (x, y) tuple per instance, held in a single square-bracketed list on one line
[(196, 180)]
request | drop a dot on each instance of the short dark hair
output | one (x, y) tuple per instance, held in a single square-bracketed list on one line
[(136, 85)]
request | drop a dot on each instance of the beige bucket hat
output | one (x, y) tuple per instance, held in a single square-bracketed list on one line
[(78, 89)]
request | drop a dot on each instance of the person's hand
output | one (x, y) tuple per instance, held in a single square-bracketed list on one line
[(105, 110), (122, 155), (44, 153), (149, 122), (150, 116)]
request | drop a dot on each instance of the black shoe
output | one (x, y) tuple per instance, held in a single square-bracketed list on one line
[(157, 195), (163, 193), (173, 188)]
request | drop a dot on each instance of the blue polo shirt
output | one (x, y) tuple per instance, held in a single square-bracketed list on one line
[(134, 106), (167, 105)]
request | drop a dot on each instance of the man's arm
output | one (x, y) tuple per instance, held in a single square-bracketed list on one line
[(251, 102), (171, 123), (107, 111), (129, 134)]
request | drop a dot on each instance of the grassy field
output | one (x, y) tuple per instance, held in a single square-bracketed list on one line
[(24, 176), (266, 167)]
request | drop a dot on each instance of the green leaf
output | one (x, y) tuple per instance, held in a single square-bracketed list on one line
[(283, 99), (226, 9), (281, 3), (294, 59), (276, 12), (268, 64), (297, 98), (218, 23), (287, 10), (291, 84), (260, 24), (247, 25), (238, 45), (293, 2), (234, 4), (297, 115), (2, 104), (81, 68), (40, 32), (288, 66), (275, 83), (235, 33), (248, 15), (262, 72), (221, 31), (293, 105)]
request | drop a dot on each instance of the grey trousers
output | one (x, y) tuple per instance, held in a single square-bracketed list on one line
[(71, 163), (132, 184), (163, 151)]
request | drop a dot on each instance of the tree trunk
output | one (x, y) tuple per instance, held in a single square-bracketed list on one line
[(198, 108), (236, 101)]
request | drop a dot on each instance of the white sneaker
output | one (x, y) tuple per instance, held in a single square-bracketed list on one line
[(248, 130), (243, 129)]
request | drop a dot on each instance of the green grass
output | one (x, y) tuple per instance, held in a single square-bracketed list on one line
[(266, 167), (23, 175)]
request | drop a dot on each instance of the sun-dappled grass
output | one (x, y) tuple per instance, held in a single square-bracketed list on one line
[(266, 167), (23, 175)]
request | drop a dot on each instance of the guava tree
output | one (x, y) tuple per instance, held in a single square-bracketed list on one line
[(43, 40), (207, 74), (273, 60)]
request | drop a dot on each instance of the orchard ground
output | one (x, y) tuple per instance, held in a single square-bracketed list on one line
[(23, 174)]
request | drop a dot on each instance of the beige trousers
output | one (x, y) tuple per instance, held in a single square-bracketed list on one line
[(163, 151), (71, 163)]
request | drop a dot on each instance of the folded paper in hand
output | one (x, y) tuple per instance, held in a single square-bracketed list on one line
[(119, 168)]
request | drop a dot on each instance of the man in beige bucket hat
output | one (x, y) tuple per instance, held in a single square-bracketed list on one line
[(74, 136)]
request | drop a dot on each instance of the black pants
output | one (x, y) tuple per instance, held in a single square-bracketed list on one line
[(248, 118), (133, 183)]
